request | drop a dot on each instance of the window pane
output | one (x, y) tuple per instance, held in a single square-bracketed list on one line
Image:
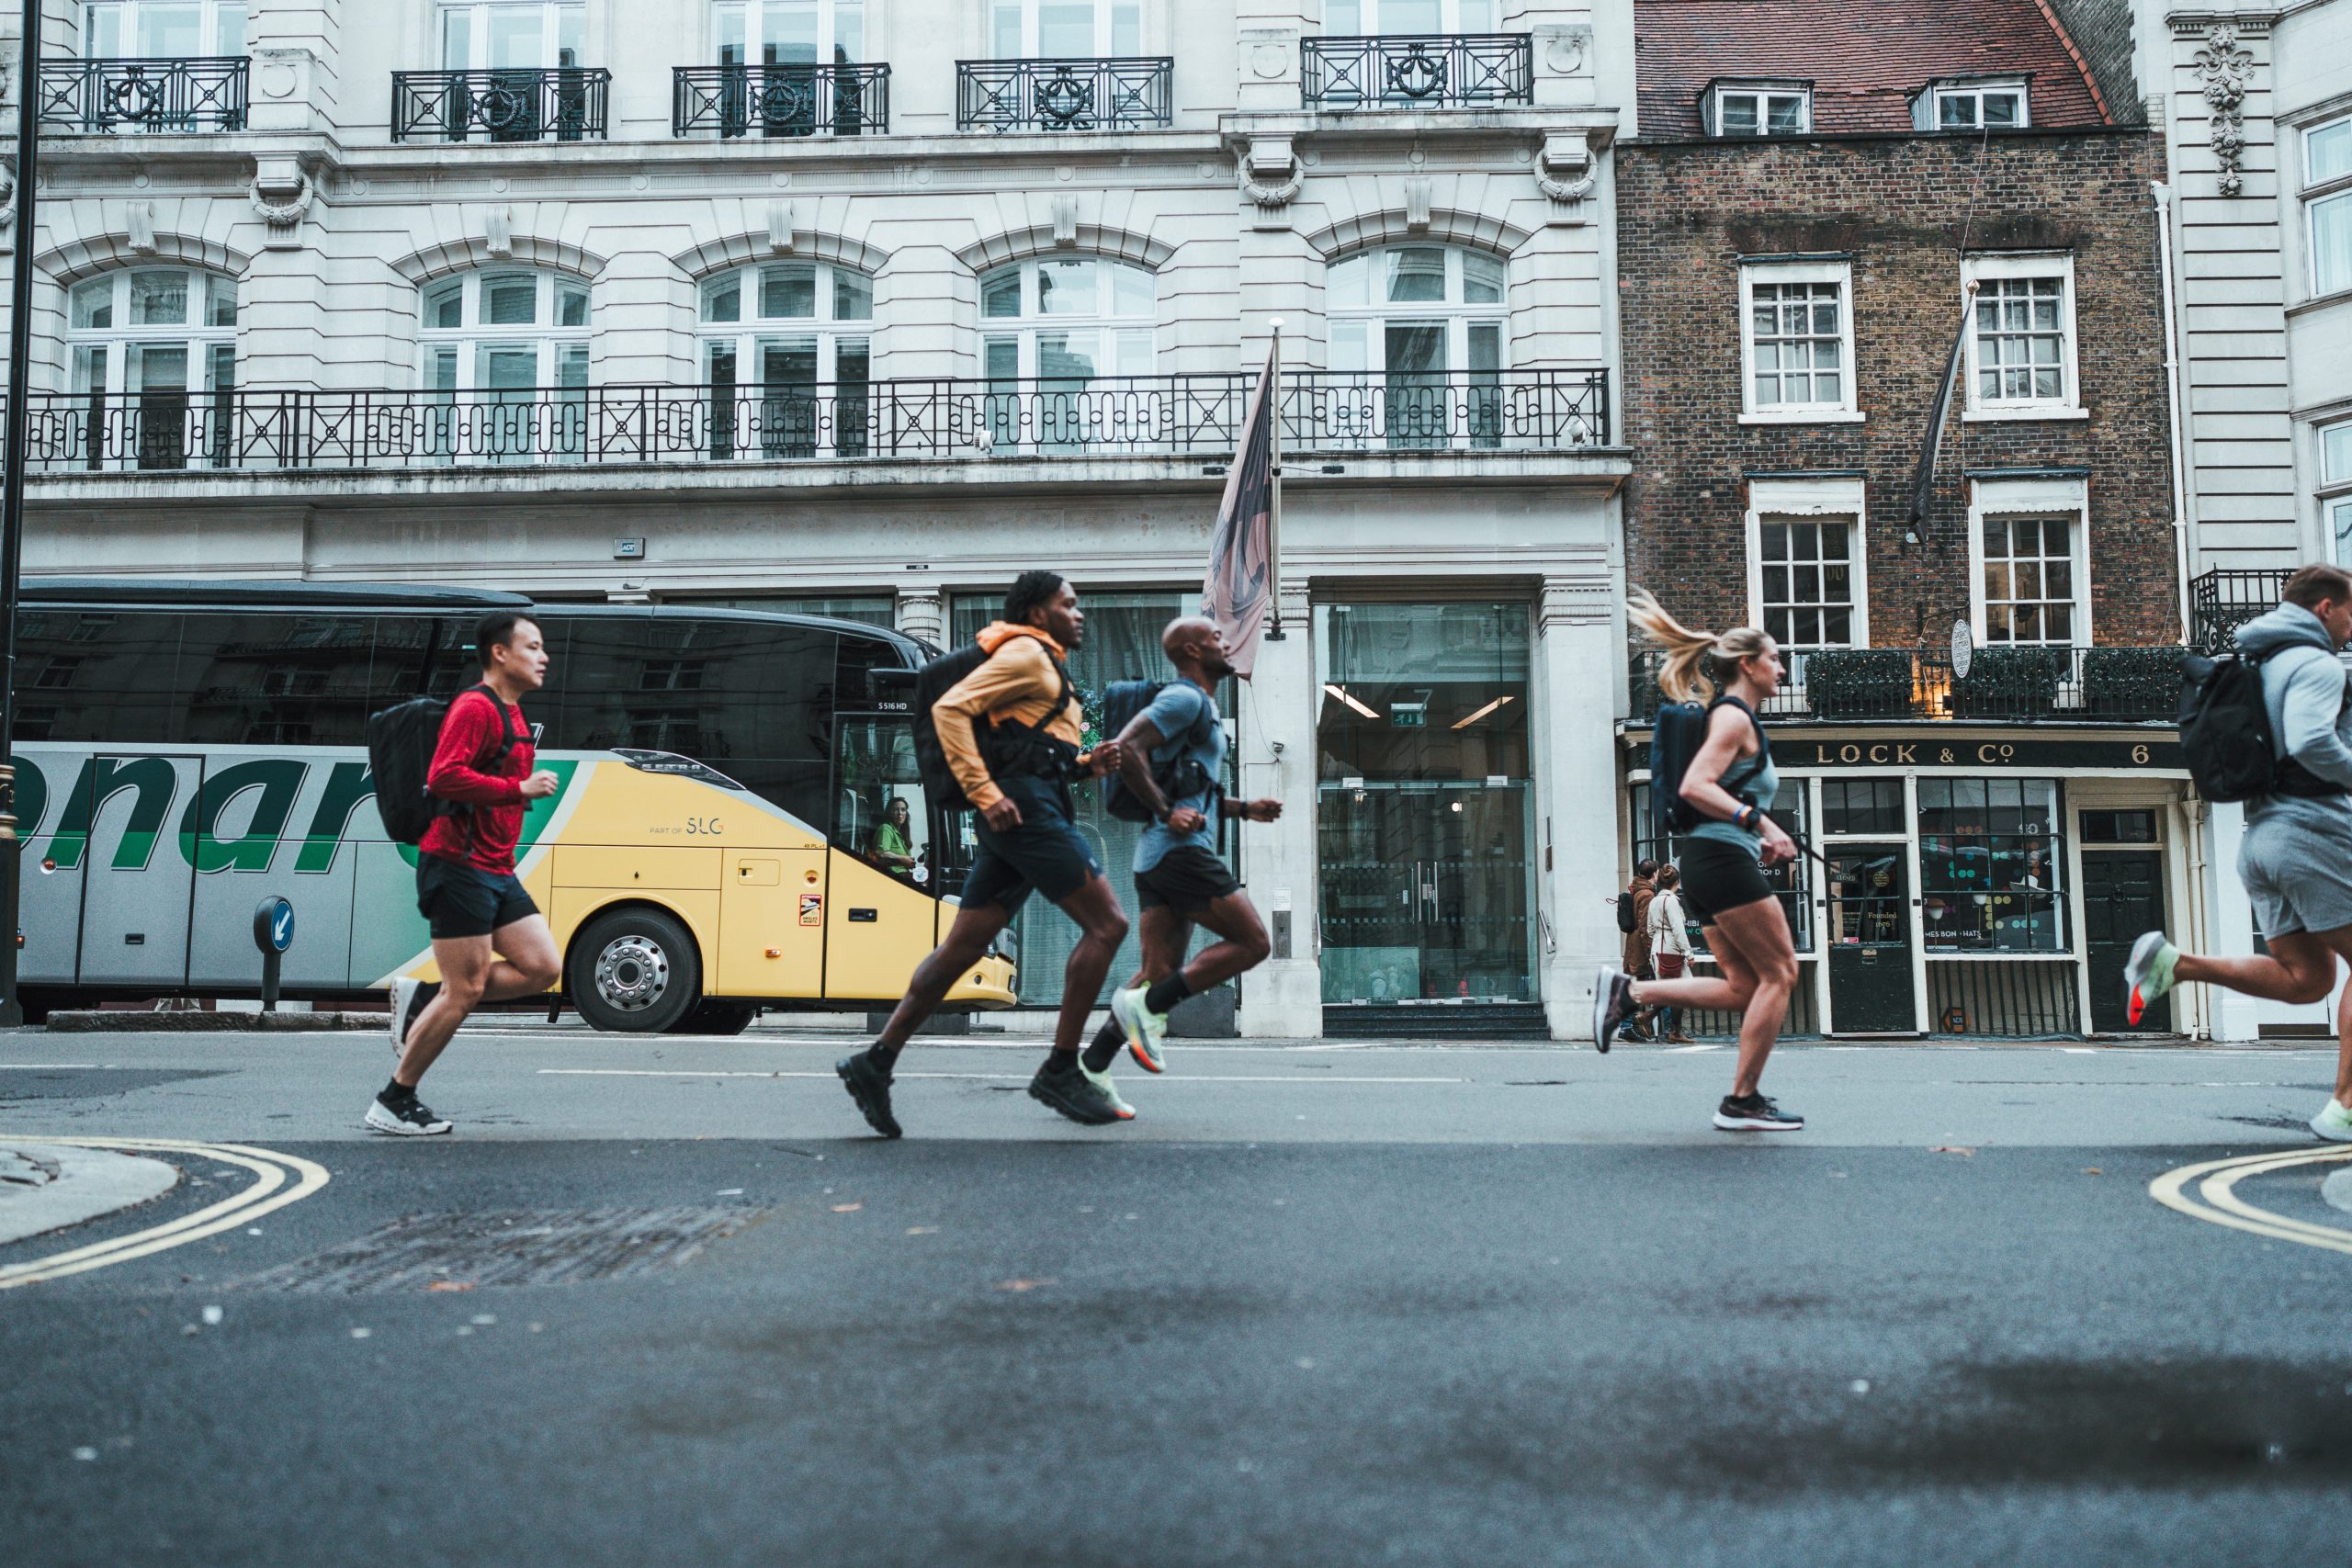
[(722, 298), (2001, 109), (571, 305), (789, 292), (1786, 115), (1416, 273), (158, 298), (505, 368), (2335, 453), (1134, 292), (94, 303), (1000, 294), (1955, 113), (853, 296), (445, 304), (2330, 224), (1738, 112), (1065, 28), (1347, 284), (1482, 278), (2327, 151), (1067, 288), (510, 299)]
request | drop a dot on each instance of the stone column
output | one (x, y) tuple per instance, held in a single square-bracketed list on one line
[(1283, 998), (1575, 678), (922, 612)]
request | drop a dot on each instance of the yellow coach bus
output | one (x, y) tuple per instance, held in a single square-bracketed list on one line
[(739, 825)]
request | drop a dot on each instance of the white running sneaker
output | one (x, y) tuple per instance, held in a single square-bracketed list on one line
[(2333, 1123), (1110, 1090), (404, 1003), (1146, 1031), (408, 1118)]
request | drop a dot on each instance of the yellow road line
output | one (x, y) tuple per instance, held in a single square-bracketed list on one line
[(2217, 1202), (267, 1194)]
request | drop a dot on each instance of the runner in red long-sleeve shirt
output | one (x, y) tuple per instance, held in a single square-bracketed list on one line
[(489, 937)]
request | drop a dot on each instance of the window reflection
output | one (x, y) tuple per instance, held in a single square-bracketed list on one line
[(1991, 865)]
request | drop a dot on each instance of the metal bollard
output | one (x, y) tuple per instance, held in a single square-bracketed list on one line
[(273, 933)]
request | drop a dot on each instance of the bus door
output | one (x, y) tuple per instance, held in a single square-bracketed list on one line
[(882, 918), (53, 786), (138, 878)]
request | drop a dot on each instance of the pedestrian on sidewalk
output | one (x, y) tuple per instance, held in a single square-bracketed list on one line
[(2296, 856), (1729, 782), (1172, 759), (1669, 946), (1011, 731), (1636, 944), (489, 940)]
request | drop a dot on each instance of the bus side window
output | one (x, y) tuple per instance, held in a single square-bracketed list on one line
[(274, 679), (97, 675), (880, 813)]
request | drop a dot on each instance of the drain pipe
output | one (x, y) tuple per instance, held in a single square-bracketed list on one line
[(2175, 414)]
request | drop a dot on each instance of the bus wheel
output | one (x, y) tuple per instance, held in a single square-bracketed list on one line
[(635, 971), (714, 1015)]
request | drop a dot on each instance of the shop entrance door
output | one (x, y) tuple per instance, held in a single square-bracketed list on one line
[(2123, 894), (1425, 893), (1868, 899)]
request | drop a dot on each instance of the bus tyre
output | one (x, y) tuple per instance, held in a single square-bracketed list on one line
[(716, 1015), (635, 971)]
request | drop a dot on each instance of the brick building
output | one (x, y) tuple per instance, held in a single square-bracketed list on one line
[(1816, 198)]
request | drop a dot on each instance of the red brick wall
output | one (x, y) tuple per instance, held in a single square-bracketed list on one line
[(1688, 212)]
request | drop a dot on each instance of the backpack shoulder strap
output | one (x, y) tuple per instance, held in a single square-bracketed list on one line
[(507, 739)]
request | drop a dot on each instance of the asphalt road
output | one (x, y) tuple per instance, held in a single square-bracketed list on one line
[(1315, 1307)]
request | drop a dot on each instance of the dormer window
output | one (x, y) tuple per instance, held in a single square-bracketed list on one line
[(1980, 104), (1760, 109)]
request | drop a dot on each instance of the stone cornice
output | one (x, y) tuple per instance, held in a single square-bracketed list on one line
[(2193, 24)]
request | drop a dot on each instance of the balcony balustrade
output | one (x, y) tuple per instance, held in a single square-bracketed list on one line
[(729, 101), (2227, 598), (257, 430), (561, 104), (1063, 94), (1417, 71), (149, 95), (2006, 684)]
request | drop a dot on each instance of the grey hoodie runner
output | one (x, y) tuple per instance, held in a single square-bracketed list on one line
[(2296, 858)]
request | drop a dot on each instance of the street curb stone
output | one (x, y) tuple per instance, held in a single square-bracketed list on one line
[(88, 1183), (123, 1020)]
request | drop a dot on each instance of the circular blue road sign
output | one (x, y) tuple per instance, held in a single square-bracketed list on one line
[(274, 925)]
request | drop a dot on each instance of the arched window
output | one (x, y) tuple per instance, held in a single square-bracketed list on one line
[(1051, 330), (516, 341), (1420, 330), (787, 354), (154, 364)]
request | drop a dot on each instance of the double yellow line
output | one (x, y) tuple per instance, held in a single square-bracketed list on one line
[(270, 1192), (2217, 1202)]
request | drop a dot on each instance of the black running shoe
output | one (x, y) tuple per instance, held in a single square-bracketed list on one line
[(1754, 1113), (1612, 1004), (870, 1086), (406, 1117), (1071, 1093)]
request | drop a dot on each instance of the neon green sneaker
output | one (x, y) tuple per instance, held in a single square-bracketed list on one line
[(2333, 1123), (2147, 973), (1110, 1091), (1146, 1029)]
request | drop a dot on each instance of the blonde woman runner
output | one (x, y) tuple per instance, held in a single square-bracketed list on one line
[(1730, 782)]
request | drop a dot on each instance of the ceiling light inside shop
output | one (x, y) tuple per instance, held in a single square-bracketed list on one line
[(1343, 696), (1466, 723)]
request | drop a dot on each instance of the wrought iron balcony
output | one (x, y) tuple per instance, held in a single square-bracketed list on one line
[(1062, 95), (2223, 600), (563, 104), (729, 101), (144, 94), (2006, 684), (1329, 413), (1417, 71)]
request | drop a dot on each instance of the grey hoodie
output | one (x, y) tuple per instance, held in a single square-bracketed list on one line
[(2305, 688)]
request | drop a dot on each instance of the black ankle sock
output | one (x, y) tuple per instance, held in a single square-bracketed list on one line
[(883, 1060), (1061, 1061), (1104, 1048), (1166, 994), (396, 1091)]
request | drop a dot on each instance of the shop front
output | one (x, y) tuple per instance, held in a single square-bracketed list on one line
[(1972, 884)]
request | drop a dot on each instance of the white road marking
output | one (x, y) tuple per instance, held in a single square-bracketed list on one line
[(973, 1077)]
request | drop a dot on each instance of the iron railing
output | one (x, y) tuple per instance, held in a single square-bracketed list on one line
[(729, 101), (2006, 684), (1063, 94), (144, 94), (1417, 71), (1323, 412), (562, 104), (2223, 600)]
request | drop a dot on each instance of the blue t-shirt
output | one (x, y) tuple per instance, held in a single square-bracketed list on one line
[(1186, 717)]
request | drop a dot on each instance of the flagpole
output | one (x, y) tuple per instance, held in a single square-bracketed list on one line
[(1274, 492)]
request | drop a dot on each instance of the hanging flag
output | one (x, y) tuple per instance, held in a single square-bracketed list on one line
[(1923, 478), (1238, 592)]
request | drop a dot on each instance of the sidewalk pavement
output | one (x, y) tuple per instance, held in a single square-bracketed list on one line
[(47, 1187)]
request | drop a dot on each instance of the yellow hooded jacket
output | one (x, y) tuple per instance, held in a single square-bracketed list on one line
[(1017, 681)]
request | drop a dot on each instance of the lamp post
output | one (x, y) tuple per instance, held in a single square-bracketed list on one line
[(12, 504)]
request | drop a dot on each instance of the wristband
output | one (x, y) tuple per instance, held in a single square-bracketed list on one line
[(1743, 818)]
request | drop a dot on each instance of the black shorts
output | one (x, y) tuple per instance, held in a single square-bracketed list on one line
[(1186, 879), (1045, 853), (457, 899), (1717, 877)]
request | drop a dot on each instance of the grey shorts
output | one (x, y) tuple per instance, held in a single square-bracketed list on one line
[(2296, 863)]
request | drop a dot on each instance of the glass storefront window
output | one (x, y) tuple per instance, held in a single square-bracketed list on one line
[(1425, 809), (1991, 862), (1791, 884), (1862, 805)]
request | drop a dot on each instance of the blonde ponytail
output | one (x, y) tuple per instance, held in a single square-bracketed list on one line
[(1696, 661)]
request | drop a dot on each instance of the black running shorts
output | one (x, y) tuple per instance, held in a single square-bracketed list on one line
[(1045, 853), (1717, 877), (461, 900), (1186, 879)]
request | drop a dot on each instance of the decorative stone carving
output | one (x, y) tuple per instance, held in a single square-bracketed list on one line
[(1270, 176), (281, 194), (498, 232), (1417, 204), (1065, 210), (782, 224), (1567, 174), (8, 206), (139, 227), (2227, 71), (1267, 62)]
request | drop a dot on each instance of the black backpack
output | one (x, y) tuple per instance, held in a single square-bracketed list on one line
[(1627, 919), (2225, 733), (401, 743), (1009, 748), (1177, 778), (1680, 730)]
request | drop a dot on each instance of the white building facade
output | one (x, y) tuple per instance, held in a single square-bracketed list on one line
[(864, 306)]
